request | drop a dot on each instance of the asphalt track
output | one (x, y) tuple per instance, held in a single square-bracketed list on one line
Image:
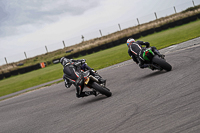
[(143, 101)]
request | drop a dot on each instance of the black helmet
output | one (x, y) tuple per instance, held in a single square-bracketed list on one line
[(64, 61)]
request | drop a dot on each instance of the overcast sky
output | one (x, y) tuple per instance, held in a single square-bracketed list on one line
[(28, 25)]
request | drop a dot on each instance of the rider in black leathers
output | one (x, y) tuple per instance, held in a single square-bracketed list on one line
[(73, 74), (136, 50)]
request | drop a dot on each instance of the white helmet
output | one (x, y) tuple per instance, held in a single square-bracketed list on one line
[(130, 40)]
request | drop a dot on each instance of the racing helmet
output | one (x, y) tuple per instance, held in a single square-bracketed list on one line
[(64, 61), (129, 41)]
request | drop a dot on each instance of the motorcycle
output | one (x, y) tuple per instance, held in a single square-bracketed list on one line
[(89, 81), (85, 77), (93, 83), (155, 62)]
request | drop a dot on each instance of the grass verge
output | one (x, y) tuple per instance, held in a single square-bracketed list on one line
[(100, 59)]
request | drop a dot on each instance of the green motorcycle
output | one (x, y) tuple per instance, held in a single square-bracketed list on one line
[(155, 62)]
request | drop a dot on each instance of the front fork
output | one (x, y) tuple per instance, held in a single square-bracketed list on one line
[(90, 77)]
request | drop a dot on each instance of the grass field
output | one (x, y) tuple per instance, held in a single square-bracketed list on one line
[(101, 59)]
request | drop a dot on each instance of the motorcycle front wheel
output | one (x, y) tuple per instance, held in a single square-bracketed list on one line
[(162, 63), (103, 90)]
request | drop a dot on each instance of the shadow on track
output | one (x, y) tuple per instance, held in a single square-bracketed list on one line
[(92, 100), (151, 75)]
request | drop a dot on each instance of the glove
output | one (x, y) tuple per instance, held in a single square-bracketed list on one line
[(77, 63), (147, 44)]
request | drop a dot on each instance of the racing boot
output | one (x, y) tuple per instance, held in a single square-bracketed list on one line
[(86, 93), (94, 93), (151, 67)]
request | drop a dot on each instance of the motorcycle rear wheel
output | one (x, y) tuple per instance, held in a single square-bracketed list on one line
[(103, 90)]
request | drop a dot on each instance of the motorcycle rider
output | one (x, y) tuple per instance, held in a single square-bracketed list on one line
[(73, 74), (135, 51)]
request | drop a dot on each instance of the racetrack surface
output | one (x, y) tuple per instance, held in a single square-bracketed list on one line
[(143, 101)]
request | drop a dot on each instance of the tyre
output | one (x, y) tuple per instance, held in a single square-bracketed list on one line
[(101, 89), (162, 63)]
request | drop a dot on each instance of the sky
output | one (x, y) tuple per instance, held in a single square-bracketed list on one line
[(30, 25)]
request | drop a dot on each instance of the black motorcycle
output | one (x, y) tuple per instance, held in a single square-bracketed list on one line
[(155, 62), (93, 83)]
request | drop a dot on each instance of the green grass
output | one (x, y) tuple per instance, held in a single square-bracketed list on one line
[(100, 59), (174, 35), (20, 82)]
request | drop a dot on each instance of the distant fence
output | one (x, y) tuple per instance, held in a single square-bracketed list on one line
[(135, 36), (99, 33)]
